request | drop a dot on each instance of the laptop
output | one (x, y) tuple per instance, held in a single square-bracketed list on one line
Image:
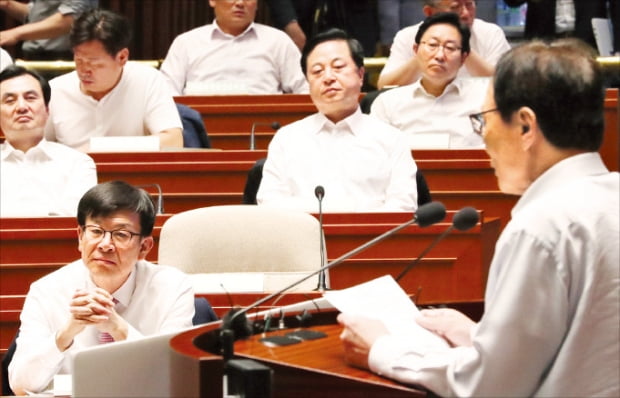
[(136, 368)]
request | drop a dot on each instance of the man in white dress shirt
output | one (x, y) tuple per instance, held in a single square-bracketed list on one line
[(435, 109), (363, 164), (37, 177), (552, 302), (111, 294), (234, 55), (487, 43), (107, 95)]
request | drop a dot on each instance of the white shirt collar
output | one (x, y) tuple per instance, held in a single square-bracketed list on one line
[(39, 151), (566, 170), (217, 32), (455, 85), (350, 124)]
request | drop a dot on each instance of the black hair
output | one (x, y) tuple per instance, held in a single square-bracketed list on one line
[(356, 49), (449, 18), (111, 29), (564, 86), (108, 197), (12, 71)]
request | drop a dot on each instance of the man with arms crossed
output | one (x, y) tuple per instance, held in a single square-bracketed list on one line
[(440, 102), (487, 43), (111, 294), (107, 95), (552, 303), (362, 163)]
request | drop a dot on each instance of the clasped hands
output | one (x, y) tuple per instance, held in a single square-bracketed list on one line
[(360, 333), (91, 308), (94, 307)]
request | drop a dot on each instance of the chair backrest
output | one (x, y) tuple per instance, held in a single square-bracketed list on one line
[(241, 238)]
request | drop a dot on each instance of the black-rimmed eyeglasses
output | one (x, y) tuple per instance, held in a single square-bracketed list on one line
[(477, 121), (120, 237)]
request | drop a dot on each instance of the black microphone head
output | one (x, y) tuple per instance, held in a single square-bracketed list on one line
[(319, 192), (430, 213), (275, 125), (465, 218), (236, 321)]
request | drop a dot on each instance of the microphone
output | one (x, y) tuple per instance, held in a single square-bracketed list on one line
[(160, 197), (464, 219), (319, 192), (274, 125), (232, 327)]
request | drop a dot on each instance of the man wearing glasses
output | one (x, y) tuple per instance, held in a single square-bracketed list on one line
[(488, 43), (552, 301), (111, 294), (435, 108), (234, 55)]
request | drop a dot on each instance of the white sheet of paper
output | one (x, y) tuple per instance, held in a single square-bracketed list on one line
[(385, 300)]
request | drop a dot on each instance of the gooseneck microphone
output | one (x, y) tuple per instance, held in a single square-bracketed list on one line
[(160, 197), (319, 192), (235, 324), (464, 219), (274, 125)]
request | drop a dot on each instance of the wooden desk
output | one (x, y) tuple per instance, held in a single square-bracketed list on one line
[(310, 368), (192, 179)]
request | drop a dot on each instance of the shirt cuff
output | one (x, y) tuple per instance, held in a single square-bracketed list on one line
[(384, 352)]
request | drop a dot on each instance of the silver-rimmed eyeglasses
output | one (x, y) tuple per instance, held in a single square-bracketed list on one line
[(120, 237), (477, 121)]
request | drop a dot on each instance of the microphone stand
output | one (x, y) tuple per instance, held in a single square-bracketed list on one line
[(160, 197), (464, 219), (322, 285), (273, 125), (428, 249)]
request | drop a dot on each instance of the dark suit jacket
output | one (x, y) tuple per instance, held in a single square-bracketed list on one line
[(540, 18)]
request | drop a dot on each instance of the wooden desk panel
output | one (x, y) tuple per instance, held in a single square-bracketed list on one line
[(222, 171), (229, 118), (196, 179)]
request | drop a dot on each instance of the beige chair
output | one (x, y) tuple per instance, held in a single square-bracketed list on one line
[(243, 243)]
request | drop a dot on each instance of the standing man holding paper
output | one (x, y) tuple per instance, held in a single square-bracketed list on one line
[(552, 303)]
